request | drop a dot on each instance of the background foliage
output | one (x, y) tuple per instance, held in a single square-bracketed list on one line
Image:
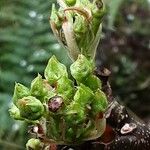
[(26, 43)]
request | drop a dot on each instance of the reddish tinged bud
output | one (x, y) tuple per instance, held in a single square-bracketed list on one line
[(55, 103)]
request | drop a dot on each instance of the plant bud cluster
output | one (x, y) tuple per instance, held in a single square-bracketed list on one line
[(65, 108), (77, 25)]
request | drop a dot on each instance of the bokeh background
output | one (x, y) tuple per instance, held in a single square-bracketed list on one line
[(26, 44)]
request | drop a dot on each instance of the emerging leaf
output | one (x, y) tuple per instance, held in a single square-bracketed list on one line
[(20, 92), (65, 88), (83, 96), (81, 68), (70, 2), (55, 70), (75, 114), (39, 88), (93, 82), (15, 113), (99, 104)]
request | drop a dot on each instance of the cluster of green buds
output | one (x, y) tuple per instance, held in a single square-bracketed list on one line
[(77, 25), (62, 109), (66, 109)]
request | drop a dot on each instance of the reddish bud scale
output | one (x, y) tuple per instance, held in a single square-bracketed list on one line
[(55, 103)]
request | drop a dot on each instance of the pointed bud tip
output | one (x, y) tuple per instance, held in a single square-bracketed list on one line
[(70, 2), (55, 70)]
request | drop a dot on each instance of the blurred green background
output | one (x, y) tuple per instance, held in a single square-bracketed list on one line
[(26, 44)]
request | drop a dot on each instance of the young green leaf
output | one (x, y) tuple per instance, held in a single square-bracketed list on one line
[(81, 68), (84, 95), (15, 113), (20, 92), (39, 88), (78, 27), (75, 114), (55, 70), (65, 88), (54, 16), (98, 12), (92, 82), (99, 104)]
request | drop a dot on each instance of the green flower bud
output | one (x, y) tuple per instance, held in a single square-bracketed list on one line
[(34, 144), (55, 70), (20, 92), (84, 95), (98, 9), (65, 88), (99, 104), (81, 68), (93, 82), (80, 26), (30, 108), (70, 2), (75, 114), (98, 13), (15, 113), (39, 88), (54, 17)]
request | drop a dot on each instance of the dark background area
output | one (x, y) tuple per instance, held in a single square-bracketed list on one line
[(26, 44), (125, 50)]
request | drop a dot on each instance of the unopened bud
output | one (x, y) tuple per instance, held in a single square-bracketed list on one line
[(81, 68), (55, 103), (38, 88), (20, 92), (30, 108), (80, 25), (15, 113), (55, 70), (34, 144)]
